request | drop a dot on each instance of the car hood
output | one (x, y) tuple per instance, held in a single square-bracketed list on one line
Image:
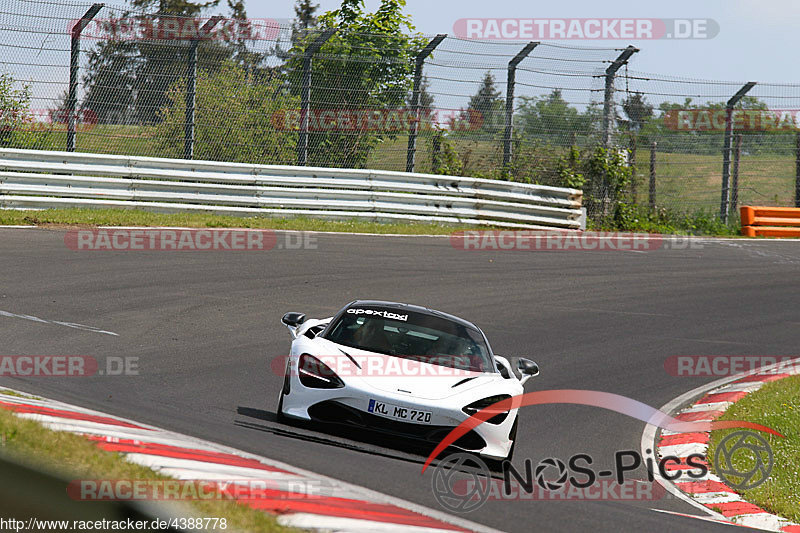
[(392, 374)]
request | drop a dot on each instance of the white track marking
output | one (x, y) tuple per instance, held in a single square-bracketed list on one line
[(350, 525), (58, 323)]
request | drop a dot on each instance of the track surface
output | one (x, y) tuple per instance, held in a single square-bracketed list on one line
[(205, 325)]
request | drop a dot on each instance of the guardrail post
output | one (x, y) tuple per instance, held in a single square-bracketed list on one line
[(737, 154), (305, 96), (411, 154), (74, 58), (608, 98), (728, 147), (191, 89), (652, 196), (512, 80)]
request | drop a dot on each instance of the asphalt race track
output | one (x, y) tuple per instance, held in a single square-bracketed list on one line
[(205, 326)]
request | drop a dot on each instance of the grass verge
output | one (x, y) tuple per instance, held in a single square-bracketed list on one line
[(136, 217), (75, 457), (775, 405)]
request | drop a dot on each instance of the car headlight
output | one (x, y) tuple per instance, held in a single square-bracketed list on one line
[(317, 375), (474, 407)]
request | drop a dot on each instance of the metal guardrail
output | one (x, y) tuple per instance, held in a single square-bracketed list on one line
[(36, 179)]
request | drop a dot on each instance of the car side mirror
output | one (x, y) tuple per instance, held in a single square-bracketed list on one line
[(293, 320), (527, 368)]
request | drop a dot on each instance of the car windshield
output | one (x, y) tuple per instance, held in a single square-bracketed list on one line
[(411, 335)]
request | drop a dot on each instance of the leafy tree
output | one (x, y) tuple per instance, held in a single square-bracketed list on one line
[(18, 126), (366, 65), (304, 14), (127, 80), (238, 118), (552, 119), (637, 110)]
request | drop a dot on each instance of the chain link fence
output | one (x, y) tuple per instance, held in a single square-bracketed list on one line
[(106, 79)]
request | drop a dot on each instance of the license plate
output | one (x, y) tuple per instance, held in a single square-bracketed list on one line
[(399, 413)]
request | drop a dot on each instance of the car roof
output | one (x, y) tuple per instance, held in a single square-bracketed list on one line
[(413, 308)]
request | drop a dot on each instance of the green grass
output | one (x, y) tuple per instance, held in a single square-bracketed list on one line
[(16, 394), (103, 139), (775, 405), (75, 457), (136, 217)]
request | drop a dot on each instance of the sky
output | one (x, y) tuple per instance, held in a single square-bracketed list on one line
[(757, 39)]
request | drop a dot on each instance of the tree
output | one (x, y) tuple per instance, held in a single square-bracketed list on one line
[(366, 66), (17, 124), (127, 80), (304, 15), (551, 118), (237, 118), (488, 106), (637, 110)]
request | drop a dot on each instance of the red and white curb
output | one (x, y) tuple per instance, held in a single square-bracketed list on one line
[(332, 506), (709, 492)]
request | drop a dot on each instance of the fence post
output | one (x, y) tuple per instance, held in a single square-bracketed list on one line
[(727, 148), (737, 154), (411, 154), (608, 99), (436, 152), (302, 140), (633, 166), (512, 79), (797, 172), (74, 58), (652, 197), (191, 89)]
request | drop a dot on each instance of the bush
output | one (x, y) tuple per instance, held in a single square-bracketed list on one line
[(236, 119)]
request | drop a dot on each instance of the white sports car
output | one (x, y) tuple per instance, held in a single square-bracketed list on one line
[(403, 370)]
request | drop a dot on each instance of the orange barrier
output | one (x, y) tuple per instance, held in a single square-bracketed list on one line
[(770, 221)]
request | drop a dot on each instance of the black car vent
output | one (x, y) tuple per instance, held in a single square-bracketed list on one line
[(351, 358), (463, 381)]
